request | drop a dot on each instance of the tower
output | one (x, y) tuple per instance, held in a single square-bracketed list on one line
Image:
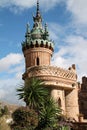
[(37, 49)]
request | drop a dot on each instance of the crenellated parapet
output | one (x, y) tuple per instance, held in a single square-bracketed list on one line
[(37, 43)]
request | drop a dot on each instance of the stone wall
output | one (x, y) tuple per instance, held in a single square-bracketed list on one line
[(71, 101), (79, 126), (59, 97)]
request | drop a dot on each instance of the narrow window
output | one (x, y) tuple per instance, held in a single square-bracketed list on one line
[(38, 61), (59, 102)]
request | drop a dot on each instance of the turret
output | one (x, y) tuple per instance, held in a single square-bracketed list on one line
[(37, 47)]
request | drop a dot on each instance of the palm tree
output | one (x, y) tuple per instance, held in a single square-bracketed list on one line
[(33, 93)]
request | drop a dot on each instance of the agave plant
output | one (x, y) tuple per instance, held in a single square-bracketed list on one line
[(33, 93), (48, 115)]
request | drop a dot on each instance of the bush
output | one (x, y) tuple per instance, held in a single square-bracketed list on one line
[(4, 111), (24, 119)]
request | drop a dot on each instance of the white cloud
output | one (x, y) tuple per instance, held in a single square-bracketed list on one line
[(77, 48), (2, 93), (78, 9), (74, 52), (10, 60), (8, 90), (18, 3), (24, 4), (70, 47), (11, 70), (55, 30), (49, 3)]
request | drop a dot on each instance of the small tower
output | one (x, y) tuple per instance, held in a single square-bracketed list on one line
[(37, 47)]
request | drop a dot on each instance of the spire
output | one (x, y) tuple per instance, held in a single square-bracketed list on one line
[(38, 17), (38, 6)]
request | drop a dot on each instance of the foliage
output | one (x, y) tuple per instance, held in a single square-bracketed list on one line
[(65, 123), (48, 115), (33, 93), (24, 119), (3, 111), (37, 97)]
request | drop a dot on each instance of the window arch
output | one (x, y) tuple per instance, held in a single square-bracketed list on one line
[(38, 61)]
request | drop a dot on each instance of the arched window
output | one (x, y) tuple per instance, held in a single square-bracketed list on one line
[(59, 102), (38, 62)]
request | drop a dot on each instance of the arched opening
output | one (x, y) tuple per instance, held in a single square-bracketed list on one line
[(46, 45), (31, 45), (36, 45), (59, 102), (42, 44), (38, 61)]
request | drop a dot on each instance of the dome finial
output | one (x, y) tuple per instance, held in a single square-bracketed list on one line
[(38, 16), (37, 6)]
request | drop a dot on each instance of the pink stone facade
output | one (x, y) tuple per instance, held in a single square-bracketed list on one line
[(62, 82), (37, 56)]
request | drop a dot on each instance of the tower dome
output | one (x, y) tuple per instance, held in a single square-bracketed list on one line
[(37, 36)]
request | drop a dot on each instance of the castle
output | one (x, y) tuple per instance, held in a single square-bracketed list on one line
[(38, 49)]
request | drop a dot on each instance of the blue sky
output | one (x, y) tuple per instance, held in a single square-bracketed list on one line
[(67, 24)]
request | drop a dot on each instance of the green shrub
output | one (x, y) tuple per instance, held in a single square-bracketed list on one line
[(24, 119)]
